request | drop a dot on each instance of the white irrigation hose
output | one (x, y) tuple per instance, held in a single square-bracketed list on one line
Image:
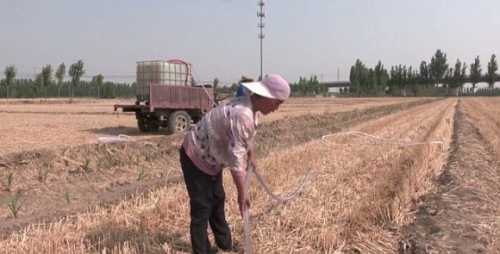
[(282, 199), (247, 249), (214, 103), (114, 139)]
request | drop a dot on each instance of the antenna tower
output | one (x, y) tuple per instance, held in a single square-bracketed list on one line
[(261, 15)]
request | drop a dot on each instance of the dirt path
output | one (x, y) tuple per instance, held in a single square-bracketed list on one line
[(462, 216)]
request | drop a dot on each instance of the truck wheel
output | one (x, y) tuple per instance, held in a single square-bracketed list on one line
[(147, 125), (153, 125), (141, 123), (179, 121)]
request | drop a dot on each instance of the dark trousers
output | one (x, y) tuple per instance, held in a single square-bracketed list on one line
[(206, 195)]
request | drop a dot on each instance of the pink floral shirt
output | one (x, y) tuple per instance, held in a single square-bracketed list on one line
[(223, 137)]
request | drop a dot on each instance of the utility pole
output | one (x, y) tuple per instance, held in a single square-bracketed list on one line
[(261, 15)]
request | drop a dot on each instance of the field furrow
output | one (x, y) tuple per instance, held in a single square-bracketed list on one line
[(461, 216)]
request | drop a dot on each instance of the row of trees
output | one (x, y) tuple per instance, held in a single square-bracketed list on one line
[(402, 79), (48, 83), (308, 87), (304, 87)]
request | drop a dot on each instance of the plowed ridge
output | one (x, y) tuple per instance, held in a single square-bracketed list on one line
[(462, 215)]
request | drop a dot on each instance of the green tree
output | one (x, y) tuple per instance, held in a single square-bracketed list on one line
[(392, 81), (76, 71), (456, 78), (313, 85), (46, 75), (395, 82), (359, 77), (399, 80), (415, 82), (381, 77), (370, 86), (411, 80), (438, 67), (491, 76), (404, 80), (353, 79), (38, 84), (448, 80), (475, 73), (302, 86), (424, 74), (60, 73), (10, 74), (463, 76), (98, 81)]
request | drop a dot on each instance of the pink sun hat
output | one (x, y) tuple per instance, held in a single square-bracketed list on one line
[(273, 86)]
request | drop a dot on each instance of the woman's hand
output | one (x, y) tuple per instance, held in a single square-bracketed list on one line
[(244, 204), (239, 177)]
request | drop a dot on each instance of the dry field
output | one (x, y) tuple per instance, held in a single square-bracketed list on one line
[(304, 106), (72, 178), (37, 124), (428, 182)]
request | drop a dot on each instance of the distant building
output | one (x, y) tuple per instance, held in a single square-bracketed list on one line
[(337, 87)]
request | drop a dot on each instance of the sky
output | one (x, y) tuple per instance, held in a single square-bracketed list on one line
[(219, 37)]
